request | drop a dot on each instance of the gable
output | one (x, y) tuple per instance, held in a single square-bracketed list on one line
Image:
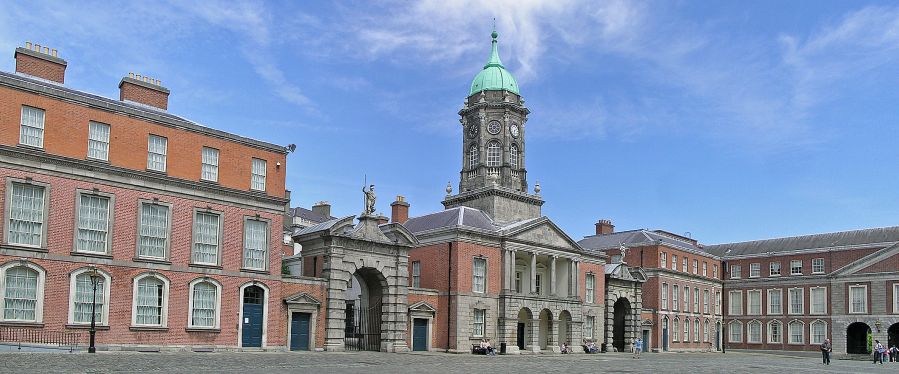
[(889, 264), (545, 233), (302, 298), (884, 260)]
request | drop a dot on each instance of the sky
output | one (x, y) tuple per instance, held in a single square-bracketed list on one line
[(719, 120)]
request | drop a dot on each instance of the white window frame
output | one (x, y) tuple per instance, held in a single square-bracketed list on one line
[(895, 297), (801, 299), (663, 260), (38, 293), (695, 266), (794, 268), (218, 303), (715, 271), (494, 153), (780, 332), (718, 302), (168, 229), (686, 330), (706, 295), (749, 333), (780, 298), (674, 262), (110, 209), (37, 128), (735, 271), (665, 296), (476, 285), (852, 309), (754, 310), (696, 296), (479, 322), (472, 156), (774, 269), (811, 332), (730, 303), (104, 309), (675, 336), (818, 265), (705, 269), (755, 270), (696, 330), (258, 173), (195, 241), (98, 135), (683, 266), (10, 182), (686, 298), (801, 329), (514, 155), (705, 331), (266, 244), (209, 164), (589, 324), (735, 326), (165, 299), (590, 287), (153, 152), (416, 274), (675, 297), (811, 300)]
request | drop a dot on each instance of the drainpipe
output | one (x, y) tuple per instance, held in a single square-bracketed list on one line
[(449, 298)]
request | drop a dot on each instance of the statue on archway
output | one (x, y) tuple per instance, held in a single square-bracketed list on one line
[(369, 200)]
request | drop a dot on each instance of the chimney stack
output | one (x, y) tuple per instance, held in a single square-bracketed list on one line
[(322, 208), (41, 62), (382, 219), (144, 90), (604, 227), (399, 210)]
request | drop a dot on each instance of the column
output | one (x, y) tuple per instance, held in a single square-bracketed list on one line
[(574, 278), (507, 271), (552, 276), (571, 280), (513, 268), (533, 272)]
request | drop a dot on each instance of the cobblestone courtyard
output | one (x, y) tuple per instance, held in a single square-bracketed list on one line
[(368, 362)]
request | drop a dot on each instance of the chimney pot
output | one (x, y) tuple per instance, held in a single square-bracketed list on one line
[(146, 90), (27, 45), (399, 210), (604, 227), (37, 47), (38, 61), (55, 53)]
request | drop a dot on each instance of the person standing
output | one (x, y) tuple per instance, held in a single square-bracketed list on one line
[(878, 351), (826, 348), (638, 347)]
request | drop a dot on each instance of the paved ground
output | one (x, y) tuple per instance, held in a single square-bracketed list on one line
[(369, 362)]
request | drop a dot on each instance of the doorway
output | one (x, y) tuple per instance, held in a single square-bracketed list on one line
[(253, 309), (645, 340), (299, 331), (665, 334), (622, 311), (893, 333), (364, 311), (857, 338), (419, 334)]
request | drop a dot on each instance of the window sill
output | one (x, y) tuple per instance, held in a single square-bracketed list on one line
[(157, 172), (148, 328), (91, 254), (152, 261), (86, 327), (97, 160), (205, 266), (203, 329), (31, 147), (255, 271), (21, 324), (24, 247), (207, 181)]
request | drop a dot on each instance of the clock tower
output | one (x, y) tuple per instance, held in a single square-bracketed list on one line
[(493, 177)]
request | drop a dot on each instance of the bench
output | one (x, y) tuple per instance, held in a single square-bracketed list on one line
[(477, 350)]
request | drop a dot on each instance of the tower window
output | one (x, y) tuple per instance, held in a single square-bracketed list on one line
[(473, 156), (493, 153), (513, 155)]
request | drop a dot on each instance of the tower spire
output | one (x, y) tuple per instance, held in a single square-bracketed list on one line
[(494, 53)]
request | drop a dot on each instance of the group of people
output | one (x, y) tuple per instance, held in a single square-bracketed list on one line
[(882, 352), (486, 348), (590, 346)]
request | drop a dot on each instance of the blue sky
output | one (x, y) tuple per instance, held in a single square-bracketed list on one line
[(726, 121)]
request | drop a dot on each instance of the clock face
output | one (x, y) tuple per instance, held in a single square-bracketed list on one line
[(472, 130), (514, 129), (493, 127)]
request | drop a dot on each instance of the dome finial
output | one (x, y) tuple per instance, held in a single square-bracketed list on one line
[(494, 34)]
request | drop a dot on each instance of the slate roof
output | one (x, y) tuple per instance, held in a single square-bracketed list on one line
[(637, 237), (458, 216), (309, 215), (881, 235), (317, 227), (53, 88)]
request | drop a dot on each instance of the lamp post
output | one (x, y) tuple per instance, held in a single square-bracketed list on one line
[(95, 280)]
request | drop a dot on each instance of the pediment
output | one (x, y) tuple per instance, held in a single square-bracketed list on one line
[(422, 306), (302, 298), (878, 261), (543, 232)]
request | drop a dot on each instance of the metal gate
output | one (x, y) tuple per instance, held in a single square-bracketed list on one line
[(363, 328)]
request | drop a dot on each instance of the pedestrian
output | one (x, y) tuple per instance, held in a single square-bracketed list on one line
[(638, 347), (826, 348), (564, 348), (894, 353), (878, 352)]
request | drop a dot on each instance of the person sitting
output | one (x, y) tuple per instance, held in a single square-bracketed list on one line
[(591, 347), (481, 349), (564, 348), (490, 350)]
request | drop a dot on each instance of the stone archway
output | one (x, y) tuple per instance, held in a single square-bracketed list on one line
[(523, 331), (857, 338), (545, 340), (364, 311), (621, 323), (565, 329), (893, 335)]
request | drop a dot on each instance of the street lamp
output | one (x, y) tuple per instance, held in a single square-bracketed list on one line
[(95, 280)]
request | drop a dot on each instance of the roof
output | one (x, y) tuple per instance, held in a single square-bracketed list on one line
[(494, 76), (639, 237), (882, 235), (145, 112), (309, 215), (458, 216)]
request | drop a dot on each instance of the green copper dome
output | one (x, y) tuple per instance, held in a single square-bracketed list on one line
[(494, 76)]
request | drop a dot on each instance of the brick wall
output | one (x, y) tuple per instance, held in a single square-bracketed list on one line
[(316, 289), (143, 95), (40, 68)]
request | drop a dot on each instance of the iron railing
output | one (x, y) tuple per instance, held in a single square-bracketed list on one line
[(19, 336)]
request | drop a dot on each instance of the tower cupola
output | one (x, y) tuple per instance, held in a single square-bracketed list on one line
[(494, 76)]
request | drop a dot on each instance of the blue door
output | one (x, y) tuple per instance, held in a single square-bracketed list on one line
[(299, 331), (253, 297), (419, 334)]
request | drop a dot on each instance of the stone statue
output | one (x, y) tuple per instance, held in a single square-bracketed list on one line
[(623, 249), (369, 200)]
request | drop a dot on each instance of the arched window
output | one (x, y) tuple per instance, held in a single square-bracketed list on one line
[(676, 330), (23, 292), (151, 294), (473, 156), (205, 304), (494, 153), (81, 298), (736, 332), (775, 332), (686, 330), (705, 331), (513, 155), (817, 332), (754, 332), (696, 330), (797, 335)]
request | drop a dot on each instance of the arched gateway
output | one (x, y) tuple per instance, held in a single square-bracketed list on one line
[(366, 269)]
